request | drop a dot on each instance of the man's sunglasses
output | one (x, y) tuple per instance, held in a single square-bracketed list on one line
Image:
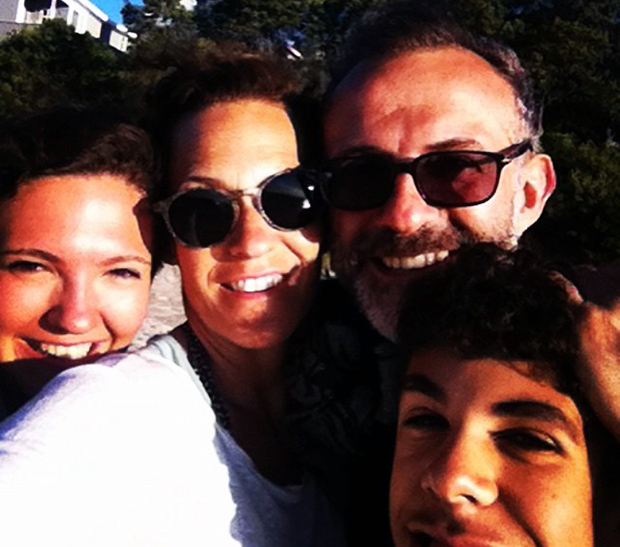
[(200, 217), (455, 178)]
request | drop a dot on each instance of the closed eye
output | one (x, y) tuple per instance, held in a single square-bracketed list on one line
[(24, 266), (125, 273), (528, 440), (425, 420)]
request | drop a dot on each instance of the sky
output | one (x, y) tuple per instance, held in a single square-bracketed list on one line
[(112, 8)]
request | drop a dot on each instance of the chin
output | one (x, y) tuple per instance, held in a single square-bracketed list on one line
[(379, 306)]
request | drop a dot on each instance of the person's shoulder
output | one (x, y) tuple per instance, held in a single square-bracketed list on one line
[(118, 388), (336, 328), (128, 435), (132, 375)]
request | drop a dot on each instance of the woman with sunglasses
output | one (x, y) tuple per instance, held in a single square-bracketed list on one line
[(75, 252), (242, 210)]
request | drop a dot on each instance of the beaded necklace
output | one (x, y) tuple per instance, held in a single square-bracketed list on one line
[(201, 363)]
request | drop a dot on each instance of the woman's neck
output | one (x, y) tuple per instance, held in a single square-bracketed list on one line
[(251, 384), (243, 375)]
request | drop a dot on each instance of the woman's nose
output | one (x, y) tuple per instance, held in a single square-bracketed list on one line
[(251, 235), (72, 311)]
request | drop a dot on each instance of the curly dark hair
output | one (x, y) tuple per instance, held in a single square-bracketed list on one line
[(209, 78), (73, 141), (499, 304), (399, 27)]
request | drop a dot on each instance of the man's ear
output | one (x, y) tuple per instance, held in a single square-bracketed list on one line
[(537, 185)]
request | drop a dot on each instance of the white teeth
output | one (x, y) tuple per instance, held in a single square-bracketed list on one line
[(414, 262), (76, 351), (256, 284)]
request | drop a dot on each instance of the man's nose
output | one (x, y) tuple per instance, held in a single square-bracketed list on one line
[(406, 212), (73, 309), (464, 473)]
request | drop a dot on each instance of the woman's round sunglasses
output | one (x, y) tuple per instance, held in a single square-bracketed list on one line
[(200, 217), (454, 178)]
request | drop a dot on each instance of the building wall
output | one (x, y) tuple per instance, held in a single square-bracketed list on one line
[(8, 10), (83, 15)]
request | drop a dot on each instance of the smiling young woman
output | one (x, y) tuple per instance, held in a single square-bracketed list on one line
[(75, 236)]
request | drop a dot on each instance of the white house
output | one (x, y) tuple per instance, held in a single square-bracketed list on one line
[(83, 15)]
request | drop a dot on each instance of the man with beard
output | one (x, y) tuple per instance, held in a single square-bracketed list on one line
[(433, 138)]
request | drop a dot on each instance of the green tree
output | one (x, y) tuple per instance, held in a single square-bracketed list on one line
[(583, 222), (315, 26), (155, 14), (572, 49), (50, 64), (325, 24), (252, 21)]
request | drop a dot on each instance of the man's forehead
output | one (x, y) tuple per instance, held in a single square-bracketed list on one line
[(422, 89)]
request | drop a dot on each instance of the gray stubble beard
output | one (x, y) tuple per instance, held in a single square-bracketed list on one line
[(381, 304)]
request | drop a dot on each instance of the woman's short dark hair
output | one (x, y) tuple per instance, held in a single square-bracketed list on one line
[(210, 78), (73, 141)]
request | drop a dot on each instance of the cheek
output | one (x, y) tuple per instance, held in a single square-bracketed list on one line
[(487, 221), (304, 244), (196, 267), (554, 504), (570, 509), (346, 226), (23, 304), (405, 487), (124, 311)]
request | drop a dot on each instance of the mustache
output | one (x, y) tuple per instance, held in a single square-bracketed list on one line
[(388, 242)]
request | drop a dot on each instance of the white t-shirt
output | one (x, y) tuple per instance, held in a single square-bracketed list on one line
[(119, 453)]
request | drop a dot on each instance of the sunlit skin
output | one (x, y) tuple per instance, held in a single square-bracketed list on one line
[(418, 102), (75, 267), (234, 146), (486, 456)]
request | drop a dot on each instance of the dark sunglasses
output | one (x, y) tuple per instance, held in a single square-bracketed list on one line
[(200, 217), (455, 178)]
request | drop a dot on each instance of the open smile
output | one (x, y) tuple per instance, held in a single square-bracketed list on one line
[(63, 351), (255, 284), (414, 262)]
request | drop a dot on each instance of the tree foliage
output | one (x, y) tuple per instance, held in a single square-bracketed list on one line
[(572, 49), (50, 64)]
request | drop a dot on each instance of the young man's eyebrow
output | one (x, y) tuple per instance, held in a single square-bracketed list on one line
[(527, 408), (419, 383)]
